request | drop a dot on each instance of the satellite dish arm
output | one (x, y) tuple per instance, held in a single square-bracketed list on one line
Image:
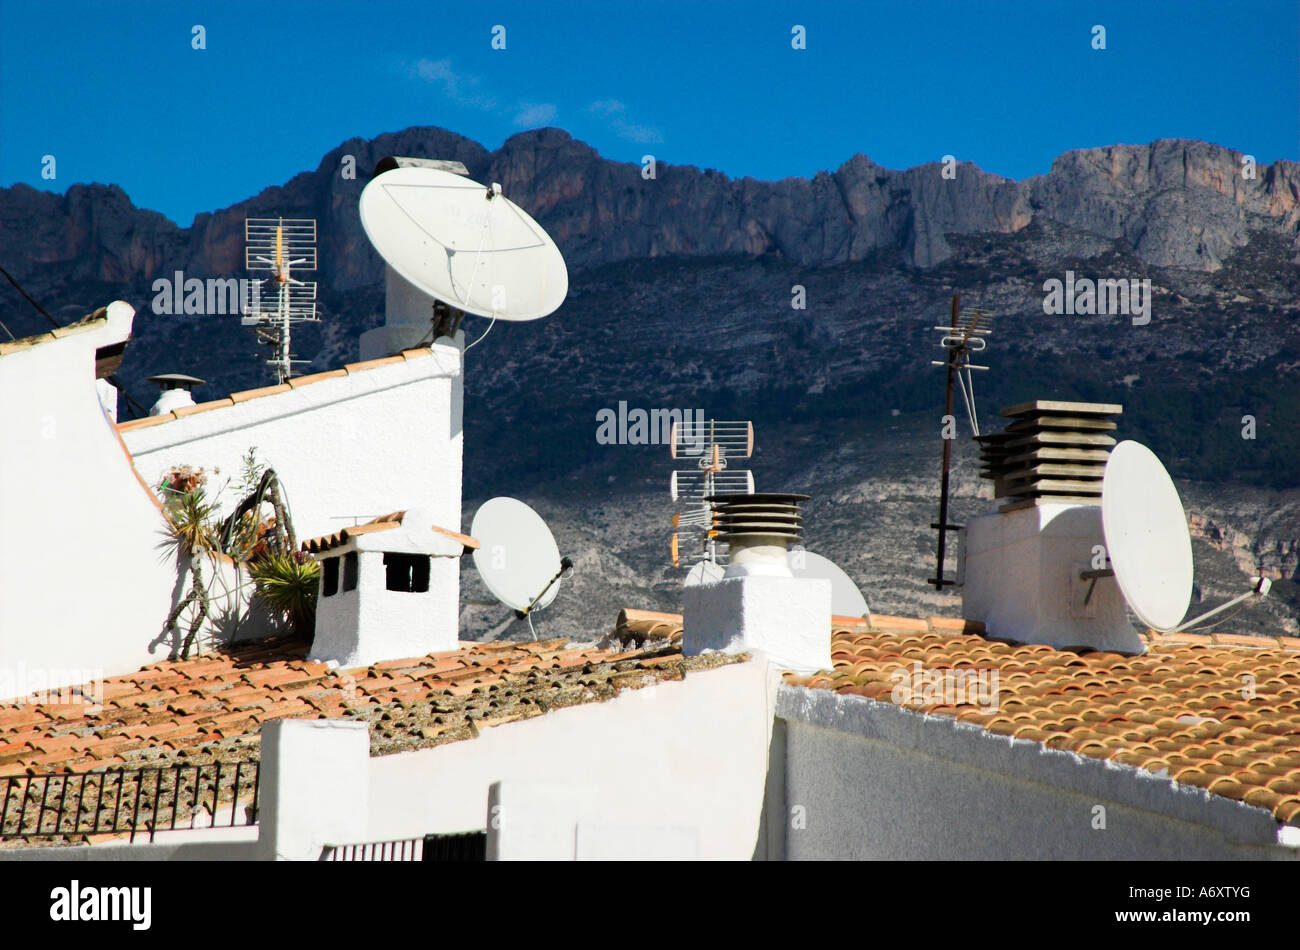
[(1260, 588), (566, 564)]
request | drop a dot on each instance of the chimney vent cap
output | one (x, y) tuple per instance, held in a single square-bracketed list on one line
[(173, 380)]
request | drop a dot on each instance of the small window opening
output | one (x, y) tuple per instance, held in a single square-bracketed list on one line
[(407, 572), (330, 577)]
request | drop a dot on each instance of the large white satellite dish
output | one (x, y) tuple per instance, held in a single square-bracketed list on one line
[(846, 598), (1147, 540), (463, 243), (517, 555)]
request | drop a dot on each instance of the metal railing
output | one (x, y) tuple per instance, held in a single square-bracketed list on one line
[(466, 846), (405, 849), (134, 801)]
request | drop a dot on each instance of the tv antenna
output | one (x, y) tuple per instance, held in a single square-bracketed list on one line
[(279, 246), (1148, 545), (964, 336), (517, 556), (711, 444)]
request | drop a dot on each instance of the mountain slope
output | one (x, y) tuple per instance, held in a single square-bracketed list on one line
[(681, 291)]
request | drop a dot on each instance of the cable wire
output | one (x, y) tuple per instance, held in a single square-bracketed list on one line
[(485, 333)]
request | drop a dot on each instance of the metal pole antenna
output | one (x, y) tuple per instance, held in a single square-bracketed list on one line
[(938, 580)]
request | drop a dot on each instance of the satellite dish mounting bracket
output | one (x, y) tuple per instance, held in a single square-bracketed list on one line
[(1259, 587), (566, 568)]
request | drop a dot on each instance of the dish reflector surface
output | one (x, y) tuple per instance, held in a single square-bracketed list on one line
[(705, 572), (442, 233), (1147, 540), (517, 555), (846, 599)]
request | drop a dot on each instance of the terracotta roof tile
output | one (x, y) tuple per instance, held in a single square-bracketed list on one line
[(213, 706)]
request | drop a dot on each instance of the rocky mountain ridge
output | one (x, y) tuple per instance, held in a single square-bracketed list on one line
[(601, 212)]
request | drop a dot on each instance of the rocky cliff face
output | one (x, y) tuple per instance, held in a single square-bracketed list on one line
[(1173, 203)]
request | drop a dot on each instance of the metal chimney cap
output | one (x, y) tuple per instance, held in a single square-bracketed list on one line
[(764, 518), (175, 380)]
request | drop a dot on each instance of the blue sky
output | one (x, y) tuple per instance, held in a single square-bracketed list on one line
[(117, 94)]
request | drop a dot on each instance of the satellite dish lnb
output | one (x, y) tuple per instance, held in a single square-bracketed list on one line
[(517, 556), (463, 243), (1148, 543)]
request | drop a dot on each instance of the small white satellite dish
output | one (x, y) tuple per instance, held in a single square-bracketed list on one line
[(705, 572), (463, 243), (1147, 540), (517, 555), (846, 598)]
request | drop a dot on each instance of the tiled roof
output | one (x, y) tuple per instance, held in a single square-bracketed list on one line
[(1217, 711), (89, 322), (213, 706), (297, 382), (637, 628), (382, 523)]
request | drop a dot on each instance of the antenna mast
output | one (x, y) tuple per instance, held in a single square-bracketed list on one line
[(711, 443), (960, 339), (278, 246)]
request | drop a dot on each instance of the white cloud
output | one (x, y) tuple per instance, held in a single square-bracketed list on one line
[(614, 112), (460, 88), (532, 115), (467, 90)]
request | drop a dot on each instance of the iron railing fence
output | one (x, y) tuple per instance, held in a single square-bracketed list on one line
[(128, 801), (465, 846)]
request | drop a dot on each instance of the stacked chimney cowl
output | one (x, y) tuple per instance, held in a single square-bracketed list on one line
[(1033, 571), (758, 606)]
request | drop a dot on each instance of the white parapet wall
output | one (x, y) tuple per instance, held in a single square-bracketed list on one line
[(857, 779), (313, 787), (674, 768), (357, 443), (85, 581)]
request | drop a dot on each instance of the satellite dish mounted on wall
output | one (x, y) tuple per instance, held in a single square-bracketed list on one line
[(1147, 541), (517, 557), (463, 243)]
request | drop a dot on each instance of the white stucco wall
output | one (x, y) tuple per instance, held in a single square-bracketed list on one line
[(84, 583), (859, 779), (1020, 573), (364, 443), (688, 756)]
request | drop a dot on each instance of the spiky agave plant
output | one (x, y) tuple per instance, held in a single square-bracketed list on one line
[(287, 583)]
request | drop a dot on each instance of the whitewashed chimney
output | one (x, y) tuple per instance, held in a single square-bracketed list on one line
[(758, 606), (174, 392), (389, 590), (1036, 570)]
